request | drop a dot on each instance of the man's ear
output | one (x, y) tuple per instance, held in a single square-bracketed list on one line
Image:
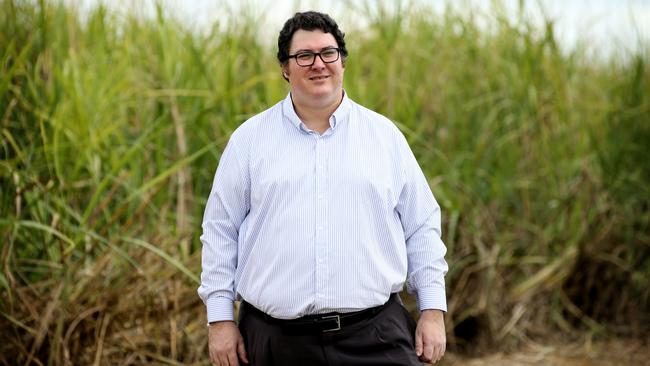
[(285, 73)]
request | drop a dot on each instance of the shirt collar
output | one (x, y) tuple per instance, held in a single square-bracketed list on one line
[(339, 115)]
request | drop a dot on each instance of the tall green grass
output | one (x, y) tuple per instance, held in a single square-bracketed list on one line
[(112, 128)]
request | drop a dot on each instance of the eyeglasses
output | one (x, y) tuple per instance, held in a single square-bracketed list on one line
[(307, 58)]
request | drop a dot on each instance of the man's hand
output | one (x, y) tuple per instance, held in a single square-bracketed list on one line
[(225, 343), (430, 337)]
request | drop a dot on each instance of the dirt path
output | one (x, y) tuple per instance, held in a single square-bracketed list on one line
[(604, 353)]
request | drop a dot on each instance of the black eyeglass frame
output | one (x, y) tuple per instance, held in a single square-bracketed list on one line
[(314, 54)]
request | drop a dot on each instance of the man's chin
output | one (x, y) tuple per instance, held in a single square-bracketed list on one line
[(323, 91)]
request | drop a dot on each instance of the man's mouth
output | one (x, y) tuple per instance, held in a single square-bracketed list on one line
[(320, 77)]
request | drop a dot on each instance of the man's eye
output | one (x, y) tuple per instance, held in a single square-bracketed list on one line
[(305, 56), (328, 53)]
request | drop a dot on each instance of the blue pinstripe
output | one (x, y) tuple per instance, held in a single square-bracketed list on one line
[(298, 223)]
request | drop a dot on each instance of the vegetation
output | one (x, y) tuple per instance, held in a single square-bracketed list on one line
[(112, 128)]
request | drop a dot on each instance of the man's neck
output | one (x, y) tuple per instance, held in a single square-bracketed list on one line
[(316, 117)]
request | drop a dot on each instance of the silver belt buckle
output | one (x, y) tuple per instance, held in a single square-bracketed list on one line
[(338, 323)]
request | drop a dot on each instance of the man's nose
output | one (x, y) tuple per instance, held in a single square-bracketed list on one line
[(318, 63)]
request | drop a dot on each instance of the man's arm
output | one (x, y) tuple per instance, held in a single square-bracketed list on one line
[(420, 216), (226, 209)]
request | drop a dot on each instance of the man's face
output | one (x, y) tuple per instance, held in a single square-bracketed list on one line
[(320, 84)]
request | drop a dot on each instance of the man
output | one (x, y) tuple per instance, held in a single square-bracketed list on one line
[(317, 215)]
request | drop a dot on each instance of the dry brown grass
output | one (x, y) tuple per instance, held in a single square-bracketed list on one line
[(614, 352)]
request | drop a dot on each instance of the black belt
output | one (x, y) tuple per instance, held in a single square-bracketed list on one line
[(322, 322)]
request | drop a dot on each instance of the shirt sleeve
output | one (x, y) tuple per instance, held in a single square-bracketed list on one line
[(420, 216), (227, 207)]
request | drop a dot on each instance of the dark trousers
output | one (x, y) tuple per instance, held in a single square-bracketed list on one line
[(387, 338)]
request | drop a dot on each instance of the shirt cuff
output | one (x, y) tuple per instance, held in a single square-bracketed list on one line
[(432, 298), (220, 309)]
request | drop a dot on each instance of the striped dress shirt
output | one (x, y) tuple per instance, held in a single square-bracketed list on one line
[(301, 223)]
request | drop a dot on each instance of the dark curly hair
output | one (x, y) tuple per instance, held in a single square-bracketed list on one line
[(309, 21)]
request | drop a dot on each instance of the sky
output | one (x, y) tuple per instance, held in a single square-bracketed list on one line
[(607, 26)]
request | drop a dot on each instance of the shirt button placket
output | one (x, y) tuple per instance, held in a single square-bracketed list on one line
[(321, 225)]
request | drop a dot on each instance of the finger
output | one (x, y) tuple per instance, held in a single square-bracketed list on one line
[(418, 343), (241, 350), (441, 351), (232, 358), (428, 351), (436, 356), (221, 361), (214, 359), (225, 360)]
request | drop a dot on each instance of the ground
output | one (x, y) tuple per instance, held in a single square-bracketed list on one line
[(603, 353)]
